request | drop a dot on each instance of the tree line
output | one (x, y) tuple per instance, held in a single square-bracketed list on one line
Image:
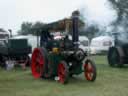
[(31, 28)]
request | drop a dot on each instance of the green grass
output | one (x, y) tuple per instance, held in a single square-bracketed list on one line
[(110, 82)]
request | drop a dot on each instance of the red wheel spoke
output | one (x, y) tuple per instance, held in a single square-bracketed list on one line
[(62, 70), (89, 76), (89, 69), (37, 60)]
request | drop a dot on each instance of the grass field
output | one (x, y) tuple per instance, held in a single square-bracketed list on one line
[(110, 82)]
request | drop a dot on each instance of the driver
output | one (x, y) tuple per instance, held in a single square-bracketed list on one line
[(45, 37)]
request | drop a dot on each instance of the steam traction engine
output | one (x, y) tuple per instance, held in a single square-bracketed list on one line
[(118, 54), (62, 58)]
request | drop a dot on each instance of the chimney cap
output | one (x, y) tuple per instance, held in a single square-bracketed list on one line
[(76, 13)]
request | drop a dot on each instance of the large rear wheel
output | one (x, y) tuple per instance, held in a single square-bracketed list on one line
[(114, 57), (63, 72), (90, 70), (37, 63)]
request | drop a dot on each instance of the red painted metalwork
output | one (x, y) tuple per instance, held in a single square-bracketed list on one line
[(89, 71), (37, 63), (62, 72)]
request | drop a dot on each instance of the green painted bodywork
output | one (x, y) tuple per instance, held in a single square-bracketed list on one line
[(54, 60), (78, 69), (15, 47)]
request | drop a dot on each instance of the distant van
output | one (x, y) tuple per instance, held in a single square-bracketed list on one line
[(101, 44)]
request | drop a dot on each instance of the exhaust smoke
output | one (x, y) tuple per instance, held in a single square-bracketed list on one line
[(98, 12)]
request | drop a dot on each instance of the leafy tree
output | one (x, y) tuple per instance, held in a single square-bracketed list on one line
[(30, 28), (37, 28), (90, 31), (121, 6), (25, 28)]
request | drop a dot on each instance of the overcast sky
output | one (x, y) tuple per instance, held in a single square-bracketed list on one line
[(14, 12)]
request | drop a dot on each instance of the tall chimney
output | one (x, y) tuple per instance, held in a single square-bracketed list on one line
[(116, 41), (75, 34), (10, 32)]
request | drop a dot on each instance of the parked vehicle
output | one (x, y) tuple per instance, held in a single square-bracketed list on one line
[(118, 54), (59, 57), (14, 51), (101, 44)]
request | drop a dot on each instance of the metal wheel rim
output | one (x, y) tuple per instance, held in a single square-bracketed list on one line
[(61, 73), (89, 71)]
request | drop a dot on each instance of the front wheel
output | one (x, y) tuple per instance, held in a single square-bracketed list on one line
[(63, 72), (90, 70)]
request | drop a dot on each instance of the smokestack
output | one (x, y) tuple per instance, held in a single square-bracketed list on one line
[(10, 32), (116, 41), (75, 34)]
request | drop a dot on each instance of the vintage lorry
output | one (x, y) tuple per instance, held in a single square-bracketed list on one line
[(14, 51)]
